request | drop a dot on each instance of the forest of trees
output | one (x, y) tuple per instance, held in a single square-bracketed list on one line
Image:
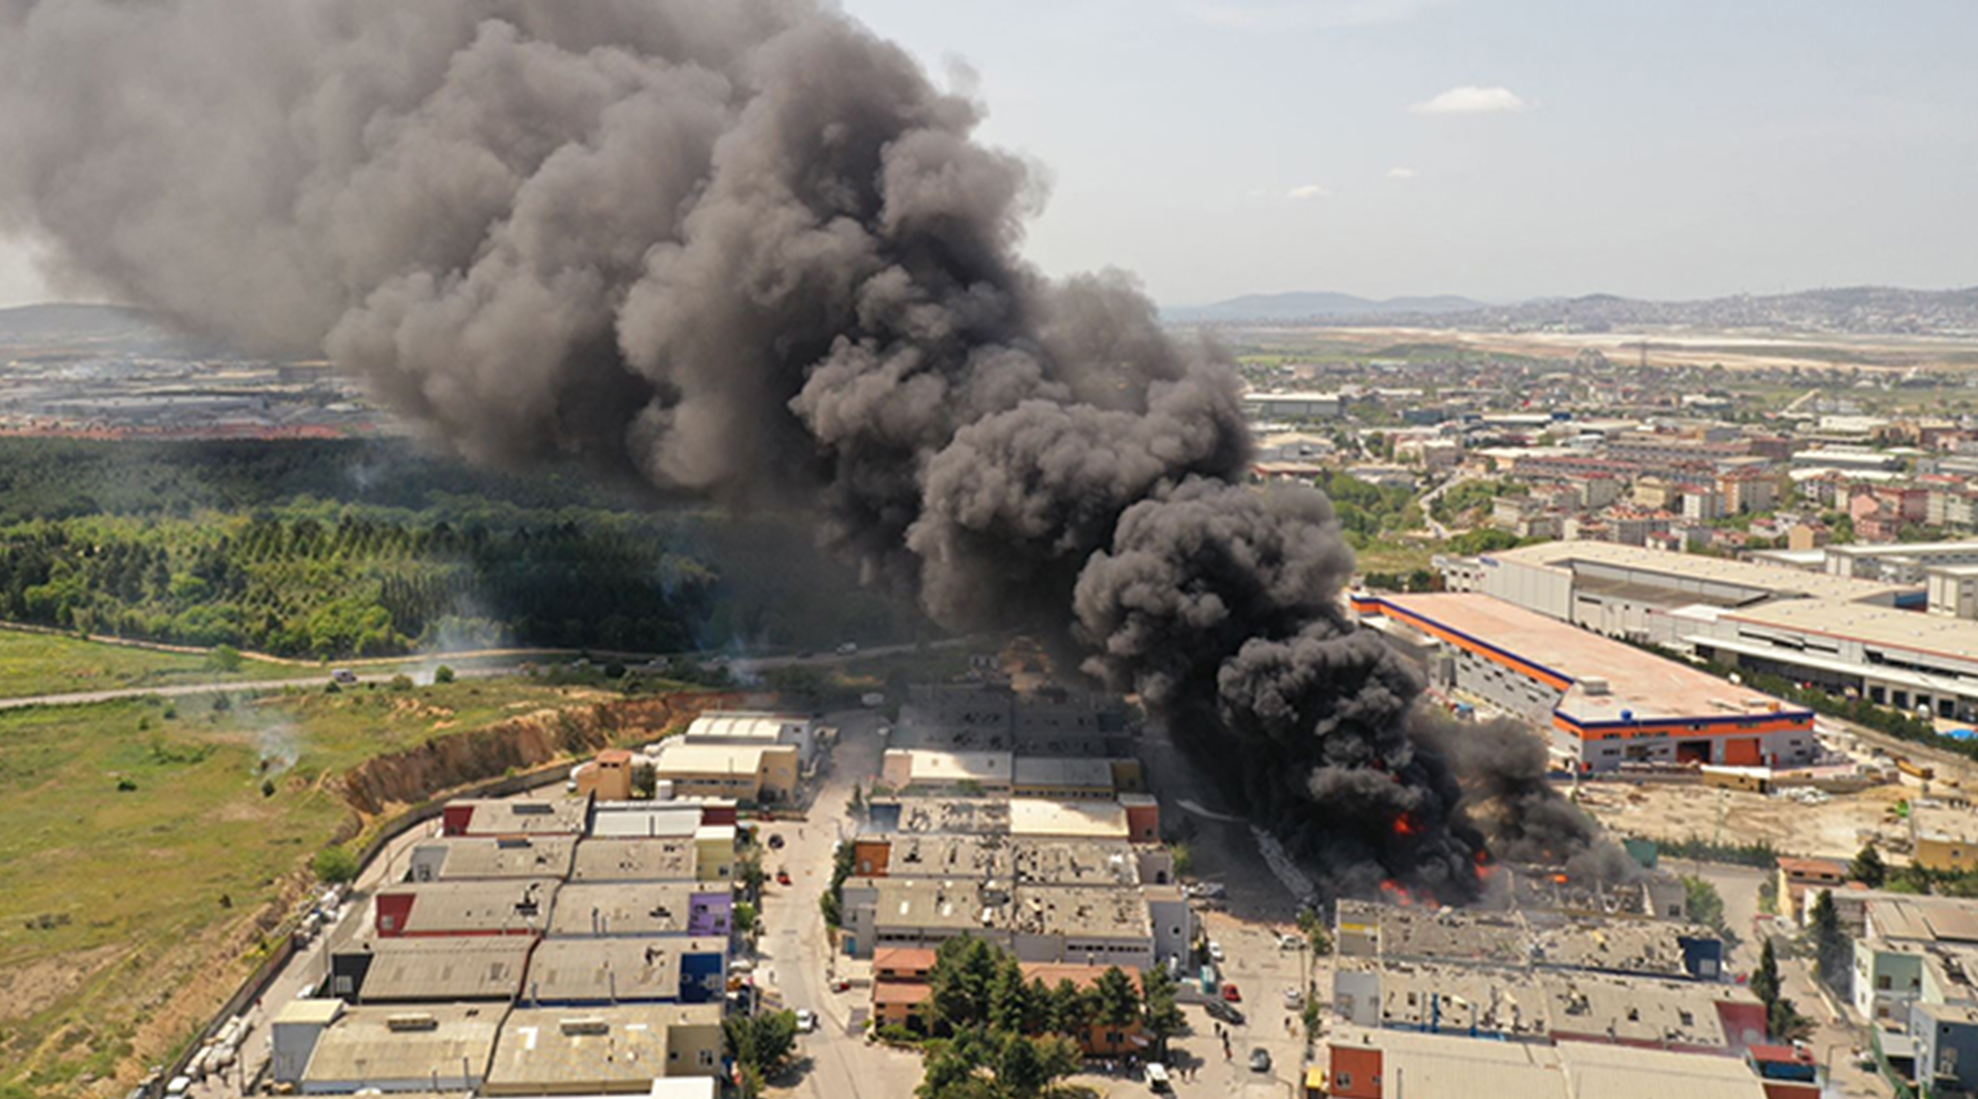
[(230, 544)]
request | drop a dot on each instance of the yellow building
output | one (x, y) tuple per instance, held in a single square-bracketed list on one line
[(608, 777), (1943, 840), (744, 772)]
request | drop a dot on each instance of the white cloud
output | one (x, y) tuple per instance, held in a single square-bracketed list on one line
[(1470, 99), (1307, 191), (1401, 173)]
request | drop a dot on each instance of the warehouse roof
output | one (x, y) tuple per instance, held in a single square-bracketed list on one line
[(501, 905), (938, 765), (379, 1044), (1080, 773), (610, 969), (521, 816), (1604, 681), (621, 908), (473, 967), (677, 757), (546, 856), (746, 725), (635, 859), (932, 903), (600, 1047), (1095, 818), (1777, 580), (625, 819), (1596, 1070)]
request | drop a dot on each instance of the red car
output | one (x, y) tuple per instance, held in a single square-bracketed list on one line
[(1231, 995), (782, 877)]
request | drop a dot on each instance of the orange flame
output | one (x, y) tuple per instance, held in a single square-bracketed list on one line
[(1405, 825), (1560, 879)]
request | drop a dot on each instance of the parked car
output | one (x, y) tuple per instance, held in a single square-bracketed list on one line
[(1294, 999), (1215, 951), (1232, 994), (1260, 1060), (1221, 1011), (1288, 941), (344, 676), (1157, 1076), (782, 877), (776, 841), (1207, 890), (806, 1020)]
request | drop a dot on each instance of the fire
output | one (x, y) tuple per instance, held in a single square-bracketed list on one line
[(1396, 893), (1405, 825), (1560, 879)]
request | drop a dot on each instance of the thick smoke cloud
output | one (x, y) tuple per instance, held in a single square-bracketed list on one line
[(743, 249)]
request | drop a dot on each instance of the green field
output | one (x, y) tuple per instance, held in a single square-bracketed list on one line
[(46, 663), (142, 834)]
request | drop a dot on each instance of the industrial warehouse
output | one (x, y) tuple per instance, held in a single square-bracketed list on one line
[(1603, 702), (1896, 625)]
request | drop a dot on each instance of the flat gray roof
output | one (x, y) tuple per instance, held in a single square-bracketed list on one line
[(619, 908), (469, 967), (556, 1049), (667, 858), (502, 857), (610, 969), (379, 1044)]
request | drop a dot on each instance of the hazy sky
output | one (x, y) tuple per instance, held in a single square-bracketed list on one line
[(1495, 148)]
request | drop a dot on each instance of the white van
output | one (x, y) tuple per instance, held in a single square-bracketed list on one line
[(1157, 1076)]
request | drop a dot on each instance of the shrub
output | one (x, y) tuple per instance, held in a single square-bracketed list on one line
[(401, 682), (443, 674), (337, 865)]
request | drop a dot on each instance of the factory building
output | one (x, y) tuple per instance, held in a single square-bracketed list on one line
[(1603, 703), (1834, 628)]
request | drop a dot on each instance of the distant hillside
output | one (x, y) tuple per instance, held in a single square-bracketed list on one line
[(1877, 310), (1300, 305), (68, 330), (57, 321), (1871, 310)]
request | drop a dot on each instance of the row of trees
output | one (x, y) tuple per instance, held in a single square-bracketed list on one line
[(1000, 1037), (350, 548), (365, 586)]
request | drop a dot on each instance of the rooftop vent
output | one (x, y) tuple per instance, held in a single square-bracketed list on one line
[(412, 1021)]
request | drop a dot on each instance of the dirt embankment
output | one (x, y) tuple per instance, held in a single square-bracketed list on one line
[(518, 744)]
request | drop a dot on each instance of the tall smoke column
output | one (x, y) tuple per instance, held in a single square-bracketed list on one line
[(745, 249)]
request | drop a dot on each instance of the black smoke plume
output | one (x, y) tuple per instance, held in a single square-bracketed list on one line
[(745, 249)]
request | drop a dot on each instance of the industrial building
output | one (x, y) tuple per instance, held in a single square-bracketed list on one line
[(428, 1048), (603, 1050), (751, 773), (1876, 637), (429, 970), (745, 727), (659, 858), (496, 907), (626, 970), (464, 858), (1602, 702), (1089, 925), (641, 909), (516, 818), (1385, 1064)]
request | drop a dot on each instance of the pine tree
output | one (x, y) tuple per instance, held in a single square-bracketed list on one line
[(1765, 982), (1868, 868)]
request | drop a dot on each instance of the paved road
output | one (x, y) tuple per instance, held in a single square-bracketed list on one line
[(794, 954), (258, 686)]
